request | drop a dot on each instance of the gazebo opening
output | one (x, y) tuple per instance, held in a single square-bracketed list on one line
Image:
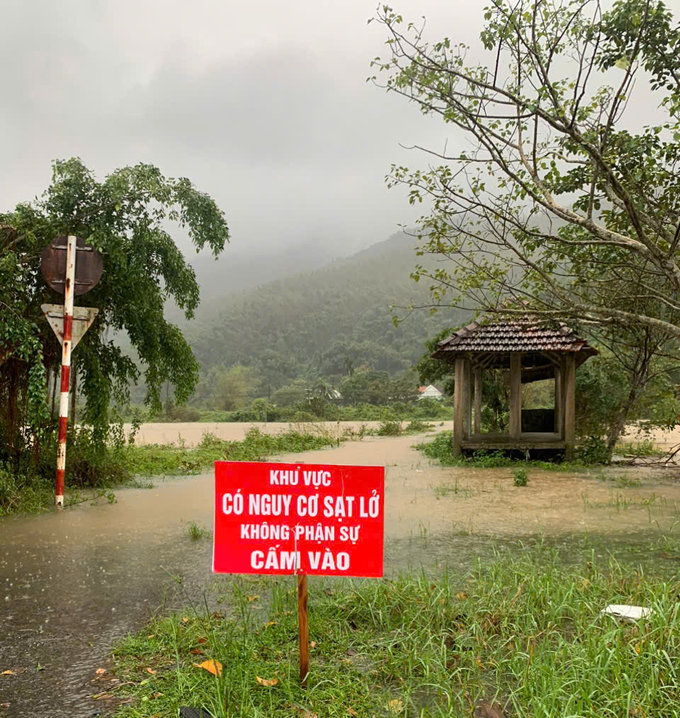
[(529, 369)]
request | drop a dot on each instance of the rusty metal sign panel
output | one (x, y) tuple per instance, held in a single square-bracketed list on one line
[(82, 320), (89, 265)]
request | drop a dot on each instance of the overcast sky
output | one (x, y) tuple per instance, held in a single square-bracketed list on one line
[(264, 105)]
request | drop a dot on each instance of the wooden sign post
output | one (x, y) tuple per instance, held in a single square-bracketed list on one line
[(303, 628), (298, 519)]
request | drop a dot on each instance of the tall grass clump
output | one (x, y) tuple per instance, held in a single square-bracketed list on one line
[(525, 632)]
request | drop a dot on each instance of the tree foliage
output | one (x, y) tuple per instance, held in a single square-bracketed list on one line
[(559, 201), (330, 324), (126, 217), (558, 198)]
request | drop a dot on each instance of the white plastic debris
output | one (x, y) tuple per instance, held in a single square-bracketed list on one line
[(627, 613)]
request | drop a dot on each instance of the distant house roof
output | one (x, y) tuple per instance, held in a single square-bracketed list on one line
[(528, 335), (430, 392)]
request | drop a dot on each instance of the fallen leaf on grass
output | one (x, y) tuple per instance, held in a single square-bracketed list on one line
[(395, 706), (304, 713), (352, 712), (151, 671), (312, 644), (185, 620), (271, 623), (484, 709), (214, 667), (5, 705), (265, 682), (252, 598), (461, 596), (196, 652), (100, 671), (13, 672), (156, 695), (202, 640)]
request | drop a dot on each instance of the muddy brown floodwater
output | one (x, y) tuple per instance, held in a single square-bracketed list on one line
[(191, 433), (74, 582)]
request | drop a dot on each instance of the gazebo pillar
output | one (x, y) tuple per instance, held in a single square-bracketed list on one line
[(459, 406), (559, 403), (569, 398), (515, 395), (478, 401)]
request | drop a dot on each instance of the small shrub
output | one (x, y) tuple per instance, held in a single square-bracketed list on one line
[(197, 532), (417, 426), (593, 450), (389, 427), (520, 476)]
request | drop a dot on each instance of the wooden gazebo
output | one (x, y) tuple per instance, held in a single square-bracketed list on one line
[(529, 350)]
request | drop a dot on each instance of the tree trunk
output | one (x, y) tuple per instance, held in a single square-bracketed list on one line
[(619, 425)]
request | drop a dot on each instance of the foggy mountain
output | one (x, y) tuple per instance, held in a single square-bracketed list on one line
[(306, 324)]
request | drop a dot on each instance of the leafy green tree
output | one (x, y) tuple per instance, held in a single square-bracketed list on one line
[(290, 395), (553, 200), (228, 389), (557, 198), (126, 217)]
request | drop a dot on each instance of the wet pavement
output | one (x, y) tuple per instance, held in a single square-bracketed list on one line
[(74, 582)]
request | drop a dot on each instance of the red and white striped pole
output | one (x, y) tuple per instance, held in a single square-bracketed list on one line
[(65, 368)]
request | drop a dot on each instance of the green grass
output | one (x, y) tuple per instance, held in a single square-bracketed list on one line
[(524, 631), (447, 489), (643, 449), (520, 476), (439, 449), (197, 532)]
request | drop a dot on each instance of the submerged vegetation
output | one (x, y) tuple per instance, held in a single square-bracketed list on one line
[(592, 451), (523, 632), (88, 467)]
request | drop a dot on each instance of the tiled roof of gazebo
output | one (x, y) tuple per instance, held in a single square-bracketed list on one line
[(522, 335)]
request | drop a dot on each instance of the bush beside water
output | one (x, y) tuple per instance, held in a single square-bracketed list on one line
[(589, 453), (91, 466)]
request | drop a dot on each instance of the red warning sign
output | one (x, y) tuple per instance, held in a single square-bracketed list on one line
[(298, 519)]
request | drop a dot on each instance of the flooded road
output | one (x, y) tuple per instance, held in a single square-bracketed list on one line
[(191, 433), (74, 582)]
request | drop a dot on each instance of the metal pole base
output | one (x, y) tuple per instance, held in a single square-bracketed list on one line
[(59, 502)]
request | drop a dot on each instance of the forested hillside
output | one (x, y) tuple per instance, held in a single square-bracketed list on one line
[(329, 323)]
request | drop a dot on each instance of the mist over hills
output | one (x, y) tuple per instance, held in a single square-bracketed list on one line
[(240, 268), (325, 322)]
